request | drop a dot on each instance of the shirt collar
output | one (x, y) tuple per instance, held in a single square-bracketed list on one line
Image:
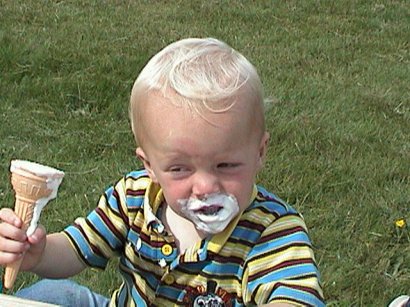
[(154, 197), (152, 200), (217, 241)]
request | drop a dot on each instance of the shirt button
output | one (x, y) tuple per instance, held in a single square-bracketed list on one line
[(169, 279), (162, 263), (139, 244), (166, 249), (161, 228)]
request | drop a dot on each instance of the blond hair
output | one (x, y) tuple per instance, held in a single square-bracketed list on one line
[(197, 73)]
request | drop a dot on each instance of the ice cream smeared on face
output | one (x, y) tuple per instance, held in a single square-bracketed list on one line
[(211, 214), (53, 179)]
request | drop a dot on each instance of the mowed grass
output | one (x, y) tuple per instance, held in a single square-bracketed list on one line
[(338, 77)]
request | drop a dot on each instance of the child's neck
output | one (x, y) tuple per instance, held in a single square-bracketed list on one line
[(182, 229)]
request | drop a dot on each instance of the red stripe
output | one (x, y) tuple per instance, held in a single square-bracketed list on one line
[(130, 192), (109, 224), (281, 234), (123, 215)]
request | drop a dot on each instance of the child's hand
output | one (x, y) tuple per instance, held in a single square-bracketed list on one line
[(14, 242)]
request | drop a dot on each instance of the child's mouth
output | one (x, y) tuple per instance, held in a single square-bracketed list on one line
[(209, 210), (212, 214)]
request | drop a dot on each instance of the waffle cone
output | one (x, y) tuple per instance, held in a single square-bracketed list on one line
[(28, 188)]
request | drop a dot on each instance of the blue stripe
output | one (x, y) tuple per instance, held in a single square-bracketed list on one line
[(283, 274), (291, 239), (303, 296), (221, 269), (134, 202), (245, 234), (104, 231), (85, 249)]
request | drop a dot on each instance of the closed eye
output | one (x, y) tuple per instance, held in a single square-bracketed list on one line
[(227, 165), (177, 169), (178, 172)]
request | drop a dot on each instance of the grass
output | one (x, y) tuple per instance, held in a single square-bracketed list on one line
[(337, 73)]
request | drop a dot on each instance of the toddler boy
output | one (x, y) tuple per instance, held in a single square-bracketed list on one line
[(191, 228)]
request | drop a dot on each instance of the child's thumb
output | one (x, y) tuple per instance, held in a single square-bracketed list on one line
[(38, 235)]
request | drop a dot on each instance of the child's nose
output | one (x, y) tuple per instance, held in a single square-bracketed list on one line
[(205, 184)]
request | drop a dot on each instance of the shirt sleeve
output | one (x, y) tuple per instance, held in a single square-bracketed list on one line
[(102, 234), (281, 267)]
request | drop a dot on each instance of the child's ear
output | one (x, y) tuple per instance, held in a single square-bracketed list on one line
[(147, 165), (263, 148)]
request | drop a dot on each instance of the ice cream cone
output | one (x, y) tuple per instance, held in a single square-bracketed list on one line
[(29, 188)]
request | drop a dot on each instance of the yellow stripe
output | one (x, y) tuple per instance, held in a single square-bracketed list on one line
[(117, 221), (257, 216), (235, 250), (191, 254), (230, 285), (139, 184), (291, 253), (286, 222), (191, 280), (218, 240)]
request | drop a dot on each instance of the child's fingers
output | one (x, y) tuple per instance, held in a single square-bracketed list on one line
[(38, 235), (11, 250), (10, 231), (12, 246), (7, 215), (7, 258)]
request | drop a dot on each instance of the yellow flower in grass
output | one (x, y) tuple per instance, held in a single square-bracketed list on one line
[(401, 223)]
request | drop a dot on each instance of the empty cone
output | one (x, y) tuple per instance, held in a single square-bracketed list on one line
[(28, 188)]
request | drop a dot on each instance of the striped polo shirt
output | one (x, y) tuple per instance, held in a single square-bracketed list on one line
[(264, 255)]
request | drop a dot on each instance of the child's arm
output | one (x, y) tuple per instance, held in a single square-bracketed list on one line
[(282, 265), (59, 260)]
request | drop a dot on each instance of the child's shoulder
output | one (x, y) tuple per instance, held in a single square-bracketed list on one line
[(268, 217), (136, 179), (270, 203), (128, 193), (130, 189), (137, 174)]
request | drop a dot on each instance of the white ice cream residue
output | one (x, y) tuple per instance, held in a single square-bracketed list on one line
[(212, 214), (54, 178)]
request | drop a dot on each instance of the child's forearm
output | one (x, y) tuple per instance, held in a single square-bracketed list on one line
[(59, 259)]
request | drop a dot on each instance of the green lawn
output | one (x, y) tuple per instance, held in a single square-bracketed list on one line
[(338, 77)]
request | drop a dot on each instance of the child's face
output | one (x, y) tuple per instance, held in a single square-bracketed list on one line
[(192, 156)]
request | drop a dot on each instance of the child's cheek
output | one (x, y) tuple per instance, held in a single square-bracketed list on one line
[(242, 193), (176, 191)]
